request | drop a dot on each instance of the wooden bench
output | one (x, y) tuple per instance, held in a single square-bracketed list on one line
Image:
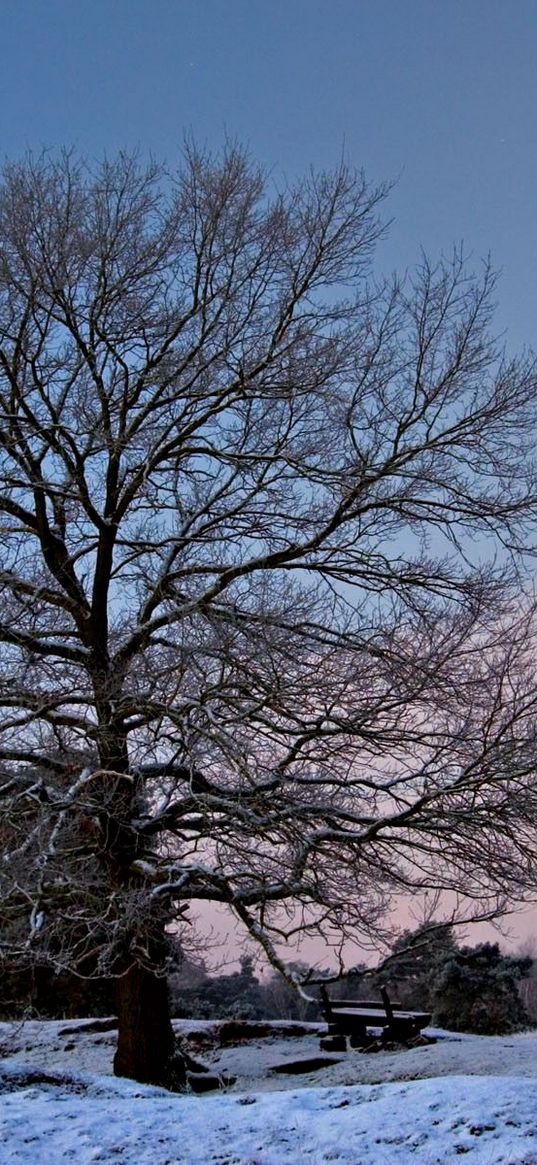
[(354, 1018)]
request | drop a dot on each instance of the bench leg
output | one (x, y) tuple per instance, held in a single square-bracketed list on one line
[(361, 1040), (400, 1033), (334, 1043)]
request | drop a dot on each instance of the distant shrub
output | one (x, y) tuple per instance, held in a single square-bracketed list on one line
[(476, 990), (417, 959)]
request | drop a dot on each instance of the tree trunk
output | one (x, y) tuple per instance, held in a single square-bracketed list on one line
[(146, 1043), (146, 1046)]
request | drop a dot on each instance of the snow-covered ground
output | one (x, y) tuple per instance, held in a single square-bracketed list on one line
[(463, 1096)]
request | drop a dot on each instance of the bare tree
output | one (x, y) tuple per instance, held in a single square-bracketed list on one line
[(262, 523)]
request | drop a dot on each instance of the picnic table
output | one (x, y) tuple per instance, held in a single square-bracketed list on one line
[(356, 1017)]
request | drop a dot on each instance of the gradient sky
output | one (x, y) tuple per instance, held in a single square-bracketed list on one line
[(438, 95)]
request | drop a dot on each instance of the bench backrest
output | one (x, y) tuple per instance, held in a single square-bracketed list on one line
[(331, 1007)]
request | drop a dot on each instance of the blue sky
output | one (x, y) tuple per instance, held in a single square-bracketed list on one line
[(440, 95)]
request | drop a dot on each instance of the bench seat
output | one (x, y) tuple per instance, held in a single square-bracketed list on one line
[(378, 1018)]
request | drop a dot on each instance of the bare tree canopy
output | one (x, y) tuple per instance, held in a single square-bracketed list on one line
[(263, 523)]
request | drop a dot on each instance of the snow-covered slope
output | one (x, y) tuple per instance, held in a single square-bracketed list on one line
[(486, 1112)]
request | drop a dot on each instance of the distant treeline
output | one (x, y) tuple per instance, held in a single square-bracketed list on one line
[(467, 988)]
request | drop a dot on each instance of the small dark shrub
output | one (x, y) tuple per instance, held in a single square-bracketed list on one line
[(476, 990)]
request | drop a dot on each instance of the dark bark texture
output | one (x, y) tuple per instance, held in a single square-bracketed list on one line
[(146, 1045)]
